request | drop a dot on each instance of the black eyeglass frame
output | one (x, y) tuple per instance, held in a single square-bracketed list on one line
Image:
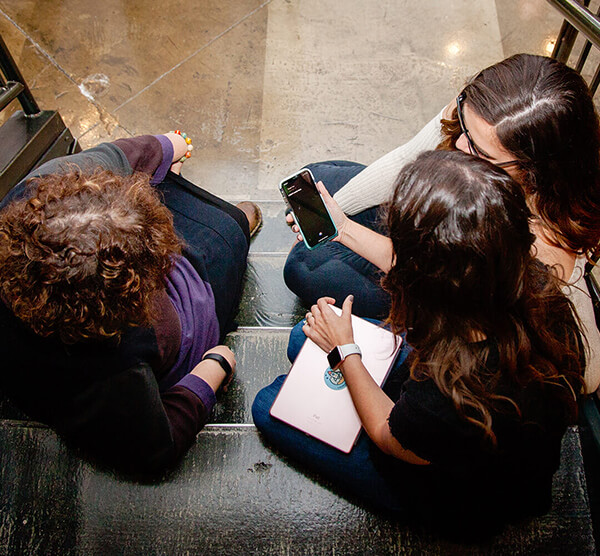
[(463, 128)]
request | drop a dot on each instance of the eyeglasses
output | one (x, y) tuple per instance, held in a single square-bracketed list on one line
[(463, 128)]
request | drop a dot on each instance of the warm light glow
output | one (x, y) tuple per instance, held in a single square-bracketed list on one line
[(453, 48), (550, 46)]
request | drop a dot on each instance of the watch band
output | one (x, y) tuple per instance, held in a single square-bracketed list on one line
[(221, 361), (349, 349)]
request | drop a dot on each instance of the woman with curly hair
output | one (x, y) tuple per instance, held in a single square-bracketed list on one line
[(466, 433), (530, 115), (115, 297)]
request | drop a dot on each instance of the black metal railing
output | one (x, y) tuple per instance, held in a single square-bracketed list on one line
[(12, 84), (31, 136), (578, 19)]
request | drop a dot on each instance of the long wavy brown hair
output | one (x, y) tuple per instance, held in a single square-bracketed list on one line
[(82, 254), (464, 272), (543, 114)]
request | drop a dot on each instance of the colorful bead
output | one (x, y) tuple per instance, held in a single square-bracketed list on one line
[(188, 141)]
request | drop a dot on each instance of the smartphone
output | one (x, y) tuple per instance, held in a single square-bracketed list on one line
[(308, 208)]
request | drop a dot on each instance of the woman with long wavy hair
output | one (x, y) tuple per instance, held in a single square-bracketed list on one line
[(467, 431), (530, 115)]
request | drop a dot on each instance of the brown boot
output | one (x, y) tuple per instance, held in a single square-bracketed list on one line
[(253, 214)]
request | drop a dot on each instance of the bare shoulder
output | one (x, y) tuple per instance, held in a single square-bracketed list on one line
[(561, 260)]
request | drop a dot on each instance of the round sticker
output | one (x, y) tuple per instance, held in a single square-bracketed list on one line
[(334, 379)]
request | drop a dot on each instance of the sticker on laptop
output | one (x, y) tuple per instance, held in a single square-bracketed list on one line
[(334, 379)]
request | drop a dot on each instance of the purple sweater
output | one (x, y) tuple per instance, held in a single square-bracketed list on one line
[(191, 297), (119, 400)]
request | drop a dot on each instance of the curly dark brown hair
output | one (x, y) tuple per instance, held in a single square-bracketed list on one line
[(82, 254)]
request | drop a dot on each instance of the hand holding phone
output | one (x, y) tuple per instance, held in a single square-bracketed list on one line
[(308, 208)]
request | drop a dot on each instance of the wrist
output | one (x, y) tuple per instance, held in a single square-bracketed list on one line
[(349, 361), (182, 145), (211, 372), (348, 232)]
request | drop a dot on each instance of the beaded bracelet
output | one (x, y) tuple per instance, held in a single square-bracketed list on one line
[(188, 141)]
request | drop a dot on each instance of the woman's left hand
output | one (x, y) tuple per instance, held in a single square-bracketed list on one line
[(325, 328)]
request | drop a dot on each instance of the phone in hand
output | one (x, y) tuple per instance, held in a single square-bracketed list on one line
[(308, 208)]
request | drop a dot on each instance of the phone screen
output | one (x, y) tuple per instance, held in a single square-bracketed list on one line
[(311, 215)]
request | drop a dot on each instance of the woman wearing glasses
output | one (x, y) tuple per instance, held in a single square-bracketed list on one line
[(530, 115)]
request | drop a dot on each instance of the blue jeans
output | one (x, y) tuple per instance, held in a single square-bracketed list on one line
[(364, 473), (332, 269), (217, 239)]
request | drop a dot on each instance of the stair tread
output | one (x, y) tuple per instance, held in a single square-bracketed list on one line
[(275, 236), (231, 494), (266, 300)]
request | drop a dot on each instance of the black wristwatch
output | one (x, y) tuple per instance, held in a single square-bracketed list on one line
[(337, 355), (221, 361)]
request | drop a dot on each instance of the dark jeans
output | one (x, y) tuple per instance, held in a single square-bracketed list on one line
[(217, 239), (332, 269), (363, 473), (436, 496)]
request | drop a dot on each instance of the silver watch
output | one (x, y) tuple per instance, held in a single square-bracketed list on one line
[(337, 355)]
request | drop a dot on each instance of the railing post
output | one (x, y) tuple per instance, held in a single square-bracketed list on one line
[(566, 39), (11, 73), (577, 15), (564, 42)]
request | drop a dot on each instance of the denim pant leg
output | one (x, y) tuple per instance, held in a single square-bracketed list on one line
[(332, 269), (354, 473), (216, 241)]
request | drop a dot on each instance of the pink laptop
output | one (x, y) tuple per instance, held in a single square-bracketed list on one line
[(316, 400)]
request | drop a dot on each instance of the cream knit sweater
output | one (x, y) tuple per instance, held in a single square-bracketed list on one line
[(375, 185)]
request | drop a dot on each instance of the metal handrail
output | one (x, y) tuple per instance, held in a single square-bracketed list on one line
[(581, 18), (11, 73), (9, 92)]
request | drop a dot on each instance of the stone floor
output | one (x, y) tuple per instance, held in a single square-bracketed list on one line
[(262, 87)]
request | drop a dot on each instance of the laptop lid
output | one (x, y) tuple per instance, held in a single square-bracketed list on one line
[(316, 400)]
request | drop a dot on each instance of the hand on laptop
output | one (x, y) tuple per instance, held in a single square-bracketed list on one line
[(325, 328)]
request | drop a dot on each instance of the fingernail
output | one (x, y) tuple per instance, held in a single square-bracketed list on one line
[(351, 298)]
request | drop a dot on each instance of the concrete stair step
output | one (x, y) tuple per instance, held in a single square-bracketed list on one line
[(261, 357), (266, 300), (275, 236), (232, 495)]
